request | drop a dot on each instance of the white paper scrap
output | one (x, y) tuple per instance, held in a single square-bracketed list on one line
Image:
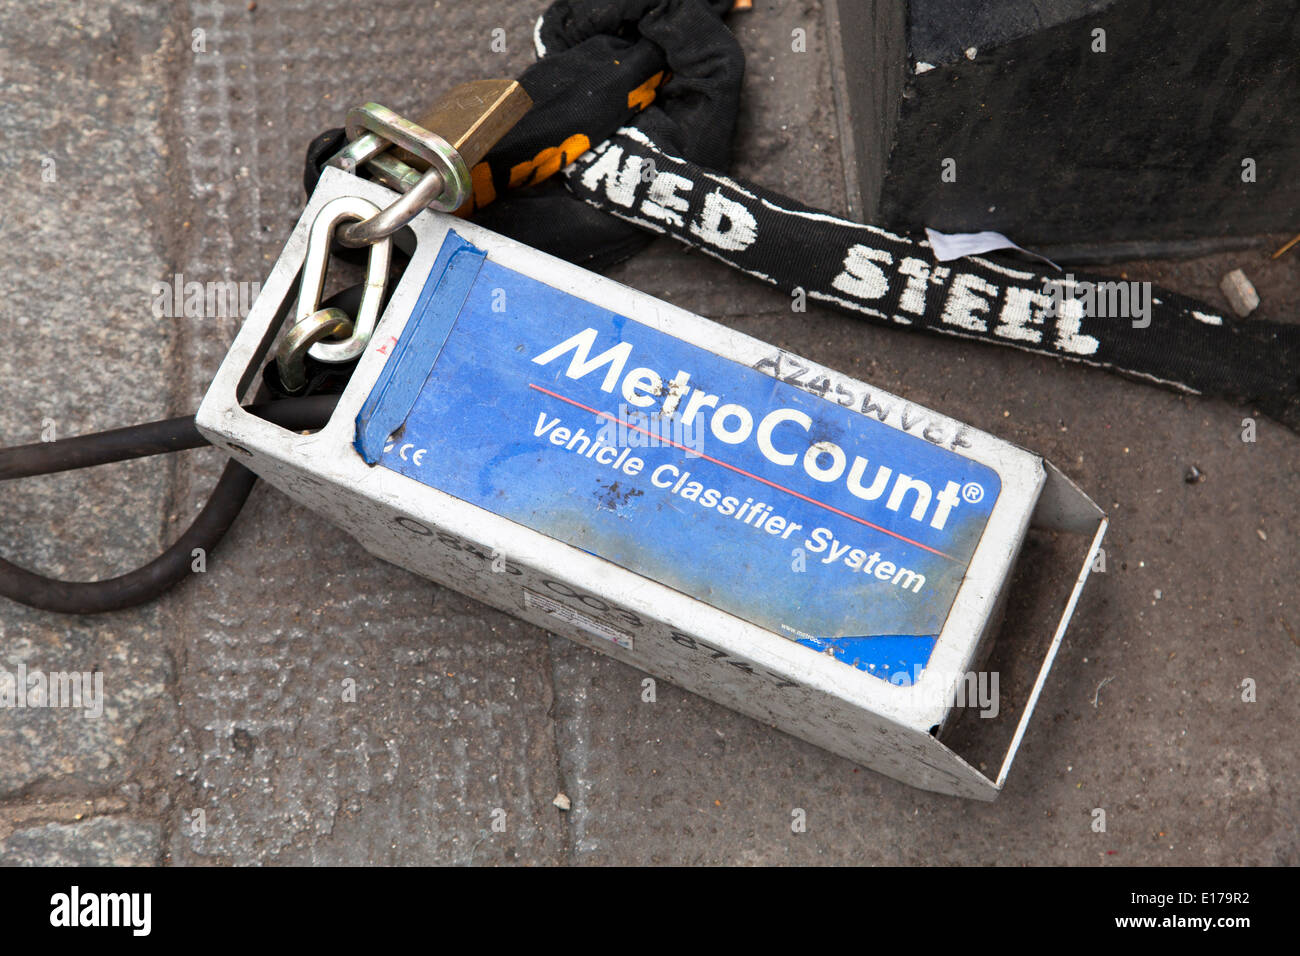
[(948, 246)]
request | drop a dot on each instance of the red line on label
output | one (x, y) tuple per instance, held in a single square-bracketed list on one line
[(747, 474)]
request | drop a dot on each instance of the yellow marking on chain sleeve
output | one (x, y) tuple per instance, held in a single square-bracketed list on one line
[(644, 94), (549, 161)]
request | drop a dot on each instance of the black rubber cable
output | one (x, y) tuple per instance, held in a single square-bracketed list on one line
[(173, 565), (143, 584), (152, 438)]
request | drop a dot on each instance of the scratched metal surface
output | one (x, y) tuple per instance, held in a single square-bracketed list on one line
[(225, 697)]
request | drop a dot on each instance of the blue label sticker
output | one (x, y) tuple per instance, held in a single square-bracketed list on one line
[(780, 507)]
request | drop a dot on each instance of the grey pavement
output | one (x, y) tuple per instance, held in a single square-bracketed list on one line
[(143, 140)]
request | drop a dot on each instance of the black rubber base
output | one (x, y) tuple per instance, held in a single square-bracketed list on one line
[(1055, 144)]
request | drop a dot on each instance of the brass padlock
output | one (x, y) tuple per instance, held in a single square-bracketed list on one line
[(473, 117), (429, 161)]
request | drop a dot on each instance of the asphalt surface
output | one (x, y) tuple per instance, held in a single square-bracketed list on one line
[(137, 149)]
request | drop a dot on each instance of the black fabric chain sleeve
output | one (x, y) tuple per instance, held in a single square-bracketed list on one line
[(593, 56), (895, 280)]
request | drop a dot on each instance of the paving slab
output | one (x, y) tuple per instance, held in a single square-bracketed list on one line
[(81, 106), (345, 711), (104, 841)]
